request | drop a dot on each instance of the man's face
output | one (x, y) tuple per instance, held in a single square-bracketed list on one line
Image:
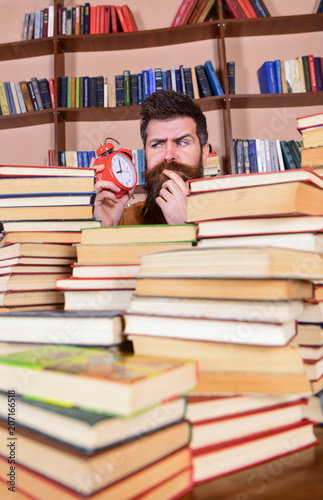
[(173, 140)]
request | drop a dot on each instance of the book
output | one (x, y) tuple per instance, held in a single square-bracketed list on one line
[(96, 300), (234, 9), (120, 253), (121, 18), (104, 270), (267, 78), (46, 213), (102, 328), (247, 8), (36, 89), (15, 267), (75, 283), (235, 289), (242, 310), (129, 18), (310, 334), (312, 72), (257, 448), (23, 200), (153, 447), (312, 157), (112, 382), (91, 430), (45, 93), (231, 77), (203, 82), (32, 95), (49, 225), (140, 234), (43, 185), (211, 330), (173, 473), (3, 100), (25, 26), (239, 262), (40, 171), (26, 96), (183, 13), (312, 120), (318, 73), (312, 136), (260, 8), (289, 198), (213, 78), (10, 101), (35, 281), (33, 298), (36, 250), (206, 10)]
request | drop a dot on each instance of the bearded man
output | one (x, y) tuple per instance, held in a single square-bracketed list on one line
[(174, 134)]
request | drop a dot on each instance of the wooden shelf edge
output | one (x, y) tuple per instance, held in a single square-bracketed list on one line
[(18, 120), (275, 100), (29, 48)]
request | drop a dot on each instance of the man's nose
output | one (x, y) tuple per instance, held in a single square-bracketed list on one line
[(170, 152)]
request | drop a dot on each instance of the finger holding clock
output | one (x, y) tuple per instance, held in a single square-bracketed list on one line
[(99, 167)]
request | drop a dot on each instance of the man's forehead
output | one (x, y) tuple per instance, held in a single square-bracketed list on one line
[(174, 126)]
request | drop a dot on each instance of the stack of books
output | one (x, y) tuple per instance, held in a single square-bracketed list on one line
[(233, 308), (96, 423), (108, 260), (241, 9), (42, 210), (212, 165), (311, 129)]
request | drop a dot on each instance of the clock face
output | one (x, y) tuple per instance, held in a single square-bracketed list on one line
[(124, 170)]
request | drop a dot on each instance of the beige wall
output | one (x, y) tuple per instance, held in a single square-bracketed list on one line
[(30, 144)]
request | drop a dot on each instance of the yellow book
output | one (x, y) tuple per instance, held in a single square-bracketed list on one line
[(3, 100)]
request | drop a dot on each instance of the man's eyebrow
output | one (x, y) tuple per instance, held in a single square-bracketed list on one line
[(180, 138)]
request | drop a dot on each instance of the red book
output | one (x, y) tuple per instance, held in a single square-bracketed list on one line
[(247, 9), (311, 67), (59, 19), (45, 26), (235, 9), (97, 19), (101, 22), (92, 20), (185, 10), (130, 20), (51, 91), (114, 19), (107, 18), (122, 19)]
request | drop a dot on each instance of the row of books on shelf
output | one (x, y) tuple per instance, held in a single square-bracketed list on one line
[(194, 12), (130, 89), (25, 96), (240, 9), (266, 155), (78, 20), (301, 74)]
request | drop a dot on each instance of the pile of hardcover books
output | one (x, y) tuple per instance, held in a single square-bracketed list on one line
[(42, 210), (108, 260), (96, 423), (311, 129), (232, 305)]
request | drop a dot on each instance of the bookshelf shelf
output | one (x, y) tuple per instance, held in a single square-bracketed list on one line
[(27, 119), (275, 100), (29, 48)]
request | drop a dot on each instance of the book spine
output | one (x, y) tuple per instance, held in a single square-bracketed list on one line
[(179, 88), (87, 8), (119, 90), (35, 85), (158, 79), (273, 155), (100, 91), (258, 8), (92, 92), (231, 70), (20, 98), (203, 83), (3, 100), (239, 156), (32, 95), (126, 88), (246, 158), (43, 85), (25, 27), (278, 74), (62, 85), (50, 31), (45, 24), (311, 67), (107, 17), (145, 83), (306, 74), (140, 88), (69, 91), (141, 166), (15, 97), (134, 89), (11, 104), (26, 96), (92, 20), (188, 82), (253, 156), (77, 19), (318, 73), (86, 91), (213, 78), (287, 155), (152, 81), (267, 78), (121, 18)]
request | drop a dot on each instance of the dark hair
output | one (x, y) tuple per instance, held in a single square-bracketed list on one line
[(167, 105)]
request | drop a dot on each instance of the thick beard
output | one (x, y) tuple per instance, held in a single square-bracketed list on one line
[(155, 178)]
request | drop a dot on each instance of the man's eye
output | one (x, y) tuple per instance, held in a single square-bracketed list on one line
[(182, 143), (156, 145)]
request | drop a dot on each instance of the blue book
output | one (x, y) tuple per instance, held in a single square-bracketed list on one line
[(259, 8), (278, 75), (188, 82), (213, 78), (86, 91), (178, 81), (62, 86), (287, 156), (87, 8), (141, 166), (90, 155), (80, 163), (318, 73), (253, 156), (134, 89), (140, 88), (164, 78), (202, 81), (85, 159), (119, 90), (152, 81), (44, 93), (145, 84), (267, 78), (41, 27), (246, 156), (169, 79), (231, 70), (9, 96), (181, 70), (92, 92), (99, 92)]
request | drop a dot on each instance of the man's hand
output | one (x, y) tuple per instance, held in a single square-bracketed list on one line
[(172, 198), (107, 207)]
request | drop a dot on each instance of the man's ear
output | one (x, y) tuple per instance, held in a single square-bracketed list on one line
[(205, 152)]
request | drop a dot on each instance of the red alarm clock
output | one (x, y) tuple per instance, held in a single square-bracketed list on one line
[(118, 166)]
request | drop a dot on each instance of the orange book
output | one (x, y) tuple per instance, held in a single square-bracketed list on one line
[(77, 18), (73, 92), (101, 22), (92, 20), (247, 9), (129, 18)]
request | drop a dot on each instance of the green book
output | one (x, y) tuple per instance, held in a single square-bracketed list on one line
[(69, 91), (306, 74), (77, 92), (126, 88)]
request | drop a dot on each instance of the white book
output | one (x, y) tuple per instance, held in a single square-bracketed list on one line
[(295, 77), (288, 76), (21, 101), (105, 93), (15, 98), (280, 155), (25, 27), (273, 155), (259, 156), (50, 31), (111, 91), (64, 21), (267, 155), (69, 21), (173, 77), (31, 25), (301, 72)]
